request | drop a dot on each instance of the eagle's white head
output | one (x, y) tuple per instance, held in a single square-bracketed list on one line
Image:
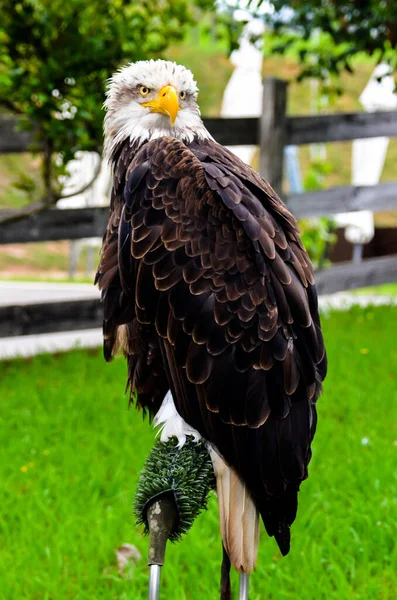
[(151, 99)]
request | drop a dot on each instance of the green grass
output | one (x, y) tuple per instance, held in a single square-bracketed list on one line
[(386, 289), (70, 454)]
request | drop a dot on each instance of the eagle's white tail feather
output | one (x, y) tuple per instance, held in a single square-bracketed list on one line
[(238, 515)]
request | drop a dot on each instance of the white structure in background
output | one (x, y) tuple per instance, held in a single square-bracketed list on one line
[(318, 104), (368, 158), (81, 171), (243, 94)]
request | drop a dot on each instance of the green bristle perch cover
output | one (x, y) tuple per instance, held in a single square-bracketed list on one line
[(186, 472)]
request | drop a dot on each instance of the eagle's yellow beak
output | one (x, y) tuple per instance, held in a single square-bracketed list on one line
[(167, 103)]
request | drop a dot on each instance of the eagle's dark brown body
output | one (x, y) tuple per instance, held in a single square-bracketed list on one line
[(203, 265)]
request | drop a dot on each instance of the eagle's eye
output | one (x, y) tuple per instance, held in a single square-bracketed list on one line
[(182, 95), (143, 90)]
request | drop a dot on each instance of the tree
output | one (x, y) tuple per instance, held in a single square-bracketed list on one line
[(347, 28), (55, 58)]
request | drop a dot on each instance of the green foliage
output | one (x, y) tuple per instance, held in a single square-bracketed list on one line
[(314, 179), (226, 28), (187, 472), (327, 35), (64, 419), (317, 234), (56, 56)]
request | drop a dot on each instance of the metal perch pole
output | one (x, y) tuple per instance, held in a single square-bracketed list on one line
[(154, 582), (243, 588)]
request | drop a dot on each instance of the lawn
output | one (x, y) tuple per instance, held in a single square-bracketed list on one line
[(71, 453), (386, 289)]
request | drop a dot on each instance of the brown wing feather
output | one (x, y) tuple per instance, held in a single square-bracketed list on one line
[(224, 291), (117, 277)]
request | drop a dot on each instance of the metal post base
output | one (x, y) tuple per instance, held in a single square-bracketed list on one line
[(154, 582), (357, 253), (243, 589)]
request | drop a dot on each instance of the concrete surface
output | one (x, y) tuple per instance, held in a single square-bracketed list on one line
[(31, 292), (30, 345)]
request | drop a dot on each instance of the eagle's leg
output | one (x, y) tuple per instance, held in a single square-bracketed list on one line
[(226, 591), (243, 588)]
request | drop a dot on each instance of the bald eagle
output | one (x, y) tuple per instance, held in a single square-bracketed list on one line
[(209, 292)]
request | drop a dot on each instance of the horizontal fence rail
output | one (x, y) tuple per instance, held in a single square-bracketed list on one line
[(56, 224), (341, 199), (349, 276), (77, 223), (338, 127), (230, 132), (75, 315), (245, 130), (49, 317)]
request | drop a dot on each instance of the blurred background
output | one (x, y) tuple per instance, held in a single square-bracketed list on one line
[(70, 451)]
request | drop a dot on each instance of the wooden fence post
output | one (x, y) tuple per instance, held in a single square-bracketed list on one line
[(272, 131)]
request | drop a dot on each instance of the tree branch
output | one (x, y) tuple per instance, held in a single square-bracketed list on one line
[(86, 186), (47, 168), (11, 106)]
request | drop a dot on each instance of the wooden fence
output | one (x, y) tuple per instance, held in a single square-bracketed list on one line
[(271, 132)]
